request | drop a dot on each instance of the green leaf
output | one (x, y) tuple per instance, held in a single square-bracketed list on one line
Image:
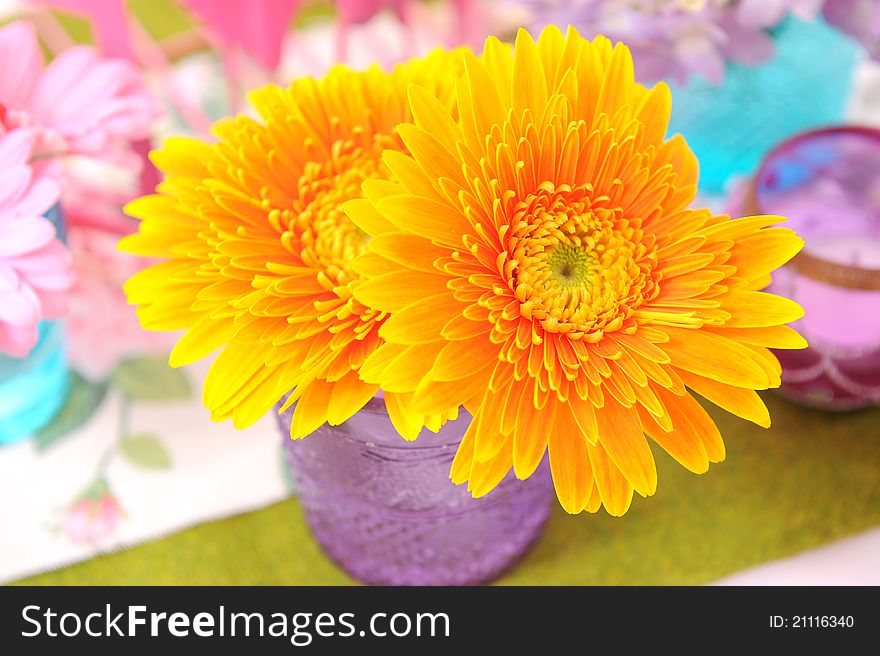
[(150, 378), (84, 399), (145, 451)]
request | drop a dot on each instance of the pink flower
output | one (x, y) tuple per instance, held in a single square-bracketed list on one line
[(258, 28), (91, 519), (360, 11), (858, 18), (35, 267), (79, 103), (102, 328)]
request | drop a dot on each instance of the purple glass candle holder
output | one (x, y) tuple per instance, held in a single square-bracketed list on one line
[(385, 510), (827, 183)]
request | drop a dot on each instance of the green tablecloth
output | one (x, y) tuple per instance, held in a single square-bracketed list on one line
[(812, 478)]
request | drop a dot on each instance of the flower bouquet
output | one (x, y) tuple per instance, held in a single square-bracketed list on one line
[(475, 266)]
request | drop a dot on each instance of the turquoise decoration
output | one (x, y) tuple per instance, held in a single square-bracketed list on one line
[(732, 126), (35, 388)]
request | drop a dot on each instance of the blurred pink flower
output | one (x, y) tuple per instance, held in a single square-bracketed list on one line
[(108, 20), (34, 266), (79, 104), (360, 11), (92, 519), (858, 18), (259, 27), (384, 39), (102, 328)]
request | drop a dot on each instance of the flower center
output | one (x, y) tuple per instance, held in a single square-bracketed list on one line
[(316, 227), (576, 264), (569, 265)]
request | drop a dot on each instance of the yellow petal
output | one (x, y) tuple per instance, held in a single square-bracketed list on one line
[(570, 464), (439, 222), (529, 84), (394, 291), (431, 115), (680, 441), (350, 394), (202, 338), (433, 156), (533, 429), (421, 322), (712, 356), (778, 337), (620, 434), (311, 409), (365, 216), (741, 402), (614, 489), (412, 251), (689, 416), (407, 423), (750, 309), (464, 457)]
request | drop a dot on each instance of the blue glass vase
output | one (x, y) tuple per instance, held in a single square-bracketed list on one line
[(34, 389), (806, 85)]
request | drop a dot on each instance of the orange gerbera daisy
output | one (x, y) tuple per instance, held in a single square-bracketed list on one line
[(543, 269), (258, 250)]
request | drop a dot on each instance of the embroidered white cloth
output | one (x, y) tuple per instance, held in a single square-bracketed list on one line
[(136, 470)]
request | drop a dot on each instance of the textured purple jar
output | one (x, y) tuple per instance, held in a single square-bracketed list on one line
[(385, 510)]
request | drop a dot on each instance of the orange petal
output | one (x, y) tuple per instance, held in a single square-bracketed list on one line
[(716, 357), (687, 413), (464, 456), (407, 423), (533, 427), (394, 291), (311, 409), (779, 337), (681, 442), (749, 309), (422, 321), (411, 251), (741, 402), (570, 464), (489, 438), (485, 476), (365, 216), (350, 394), (614, 489), (621, 436), (205, 336), (432, 155), (529, 89)]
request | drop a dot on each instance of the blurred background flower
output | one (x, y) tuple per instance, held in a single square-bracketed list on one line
[(78, 104), (34, 266), (93, 516), (102, 328), (675, 39), (859, 18)]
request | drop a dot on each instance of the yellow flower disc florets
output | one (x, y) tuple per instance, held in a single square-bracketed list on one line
[(576, 266), (326, 238)]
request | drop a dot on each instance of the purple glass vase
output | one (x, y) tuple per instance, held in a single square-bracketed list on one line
[(385, 510)]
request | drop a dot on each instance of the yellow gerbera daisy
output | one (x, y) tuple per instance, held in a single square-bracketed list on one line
[(258, 250), (543, 269)]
